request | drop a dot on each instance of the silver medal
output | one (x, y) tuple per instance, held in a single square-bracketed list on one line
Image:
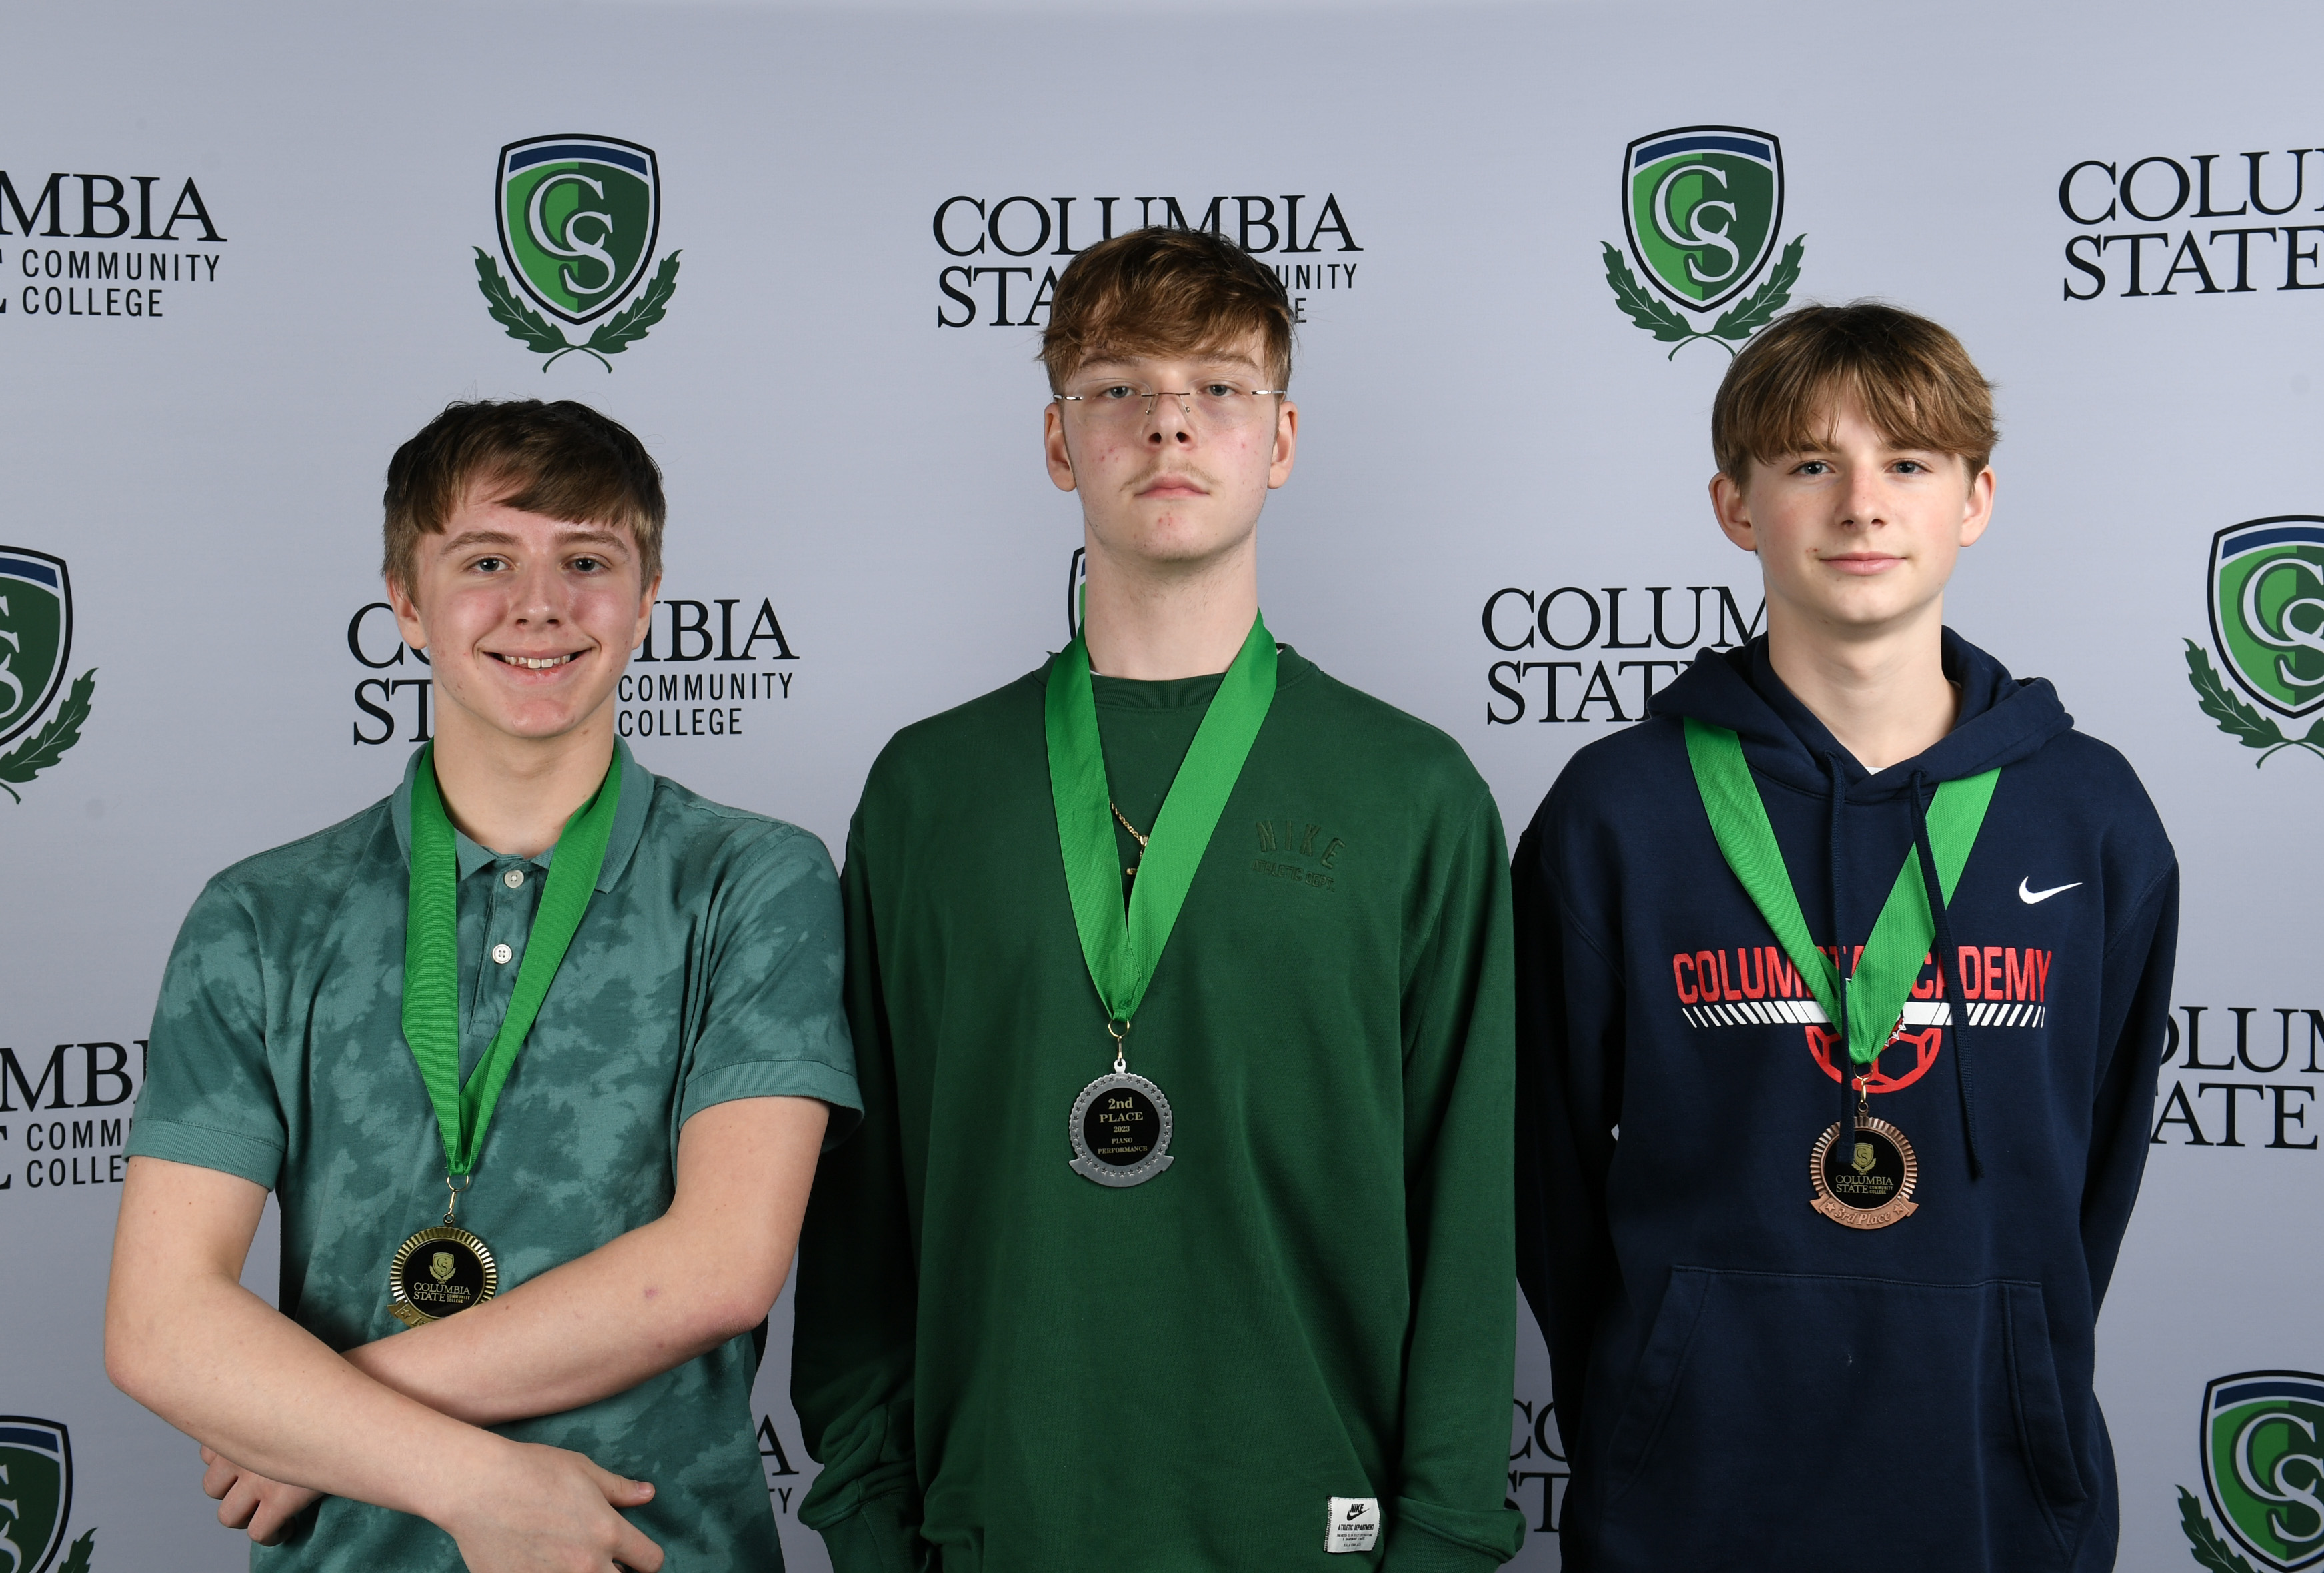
[(1120, 1129)]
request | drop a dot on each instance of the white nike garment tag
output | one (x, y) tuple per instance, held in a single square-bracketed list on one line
[(1354, 1524), (2030, 898)]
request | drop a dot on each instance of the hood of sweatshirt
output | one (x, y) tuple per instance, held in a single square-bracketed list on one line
[(2002, 720)]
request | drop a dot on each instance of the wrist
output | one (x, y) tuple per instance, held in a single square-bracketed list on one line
[(468, 1478)]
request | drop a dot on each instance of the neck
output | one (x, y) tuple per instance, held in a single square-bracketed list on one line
[(514, 795), (1884, 698), (1153, 621)]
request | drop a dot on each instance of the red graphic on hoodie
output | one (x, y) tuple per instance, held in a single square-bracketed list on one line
[(1999, 985), (1927, 1044)]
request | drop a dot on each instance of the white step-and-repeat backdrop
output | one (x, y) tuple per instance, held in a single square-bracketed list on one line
[(248, 248)]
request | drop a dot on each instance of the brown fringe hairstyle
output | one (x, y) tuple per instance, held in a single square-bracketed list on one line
[(563, 461), (1912, 380), (1165, 292)]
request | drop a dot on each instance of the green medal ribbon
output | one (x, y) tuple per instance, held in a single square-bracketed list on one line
[(431, 962), (1890, 961), (1124, 949)]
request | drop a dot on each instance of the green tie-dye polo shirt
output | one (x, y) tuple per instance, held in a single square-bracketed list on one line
[(707, 968)]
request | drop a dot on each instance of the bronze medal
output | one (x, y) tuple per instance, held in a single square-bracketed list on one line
[(1120, 1129), (1866, 1183), (438, 1271)]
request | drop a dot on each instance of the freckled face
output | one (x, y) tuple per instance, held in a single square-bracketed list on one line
[(527, 621), (1857, 533)]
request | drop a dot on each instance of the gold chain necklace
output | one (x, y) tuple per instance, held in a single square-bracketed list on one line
[(1135, 834)]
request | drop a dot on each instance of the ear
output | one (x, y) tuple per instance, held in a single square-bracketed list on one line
[(1053, 450), (1286, 445), (645, 613), (1731, 506), (408, 621), (1977, 509)]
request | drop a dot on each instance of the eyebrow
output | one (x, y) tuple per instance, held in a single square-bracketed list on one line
[(1104, 364), (577, 536)]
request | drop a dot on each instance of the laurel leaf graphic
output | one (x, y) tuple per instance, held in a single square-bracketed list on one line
[(49, 743), (1759, 308), (2209, 1550), (630, 324), (521, 321), (1641, 307), (77, 1559), (2236, 718)]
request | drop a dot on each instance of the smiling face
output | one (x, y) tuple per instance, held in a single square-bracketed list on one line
[(526, 621), (1856, 534), (1174, 486)]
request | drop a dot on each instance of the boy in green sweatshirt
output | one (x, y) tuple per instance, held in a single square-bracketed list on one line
[(1177, 1234)]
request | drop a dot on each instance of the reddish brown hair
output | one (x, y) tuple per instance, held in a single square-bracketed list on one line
[(1165, 292), (1912, 380), (563, 461)]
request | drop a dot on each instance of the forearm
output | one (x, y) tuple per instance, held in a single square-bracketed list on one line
[(226, 1368), (647, 1301), (644, 1302)]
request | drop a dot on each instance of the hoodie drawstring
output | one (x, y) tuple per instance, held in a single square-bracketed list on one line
[(1839, 947), (1948, 966)]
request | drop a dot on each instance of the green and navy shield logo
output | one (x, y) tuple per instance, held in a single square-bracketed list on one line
[(578, 216), (35, 635), (36, 630), (2267, 610), (2263, 1464), (36, 1490), (1702, 206)]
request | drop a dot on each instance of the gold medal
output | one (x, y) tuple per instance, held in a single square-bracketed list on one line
[(1866, 1183), (440, 1271)]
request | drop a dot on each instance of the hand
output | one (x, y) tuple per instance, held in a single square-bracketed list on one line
[(251, 1501), (551, 1511)]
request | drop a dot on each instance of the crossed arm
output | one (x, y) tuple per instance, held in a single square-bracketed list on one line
[(399, 1423)]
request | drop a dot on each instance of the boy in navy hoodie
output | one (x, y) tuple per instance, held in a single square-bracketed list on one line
[(1841, 989)]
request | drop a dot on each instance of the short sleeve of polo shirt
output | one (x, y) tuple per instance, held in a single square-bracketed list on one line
[(770, 1024), (211, 1097)]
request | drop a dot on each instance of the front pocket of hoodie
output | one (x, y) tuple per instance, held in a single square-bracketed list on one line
[(1776, 1417)]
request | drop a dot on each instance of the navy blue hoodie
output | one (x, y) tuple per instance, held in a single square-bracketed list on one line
[(1740, 1381)]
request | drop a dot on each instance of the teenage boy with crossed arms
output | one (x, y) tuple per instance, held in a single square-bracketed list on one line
[(645, 1162), (1819, 1295), (1035, 1331)]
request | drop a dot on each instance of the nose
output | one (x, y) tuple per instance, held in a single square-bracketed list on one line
[(1864, 501), (1170, 419), (539, 601)]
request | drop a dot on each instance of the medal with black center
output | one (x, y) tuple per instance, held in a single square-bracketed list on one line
[(1120, 1125), (1120, 1129), (1865, 1183), (438, 1272)]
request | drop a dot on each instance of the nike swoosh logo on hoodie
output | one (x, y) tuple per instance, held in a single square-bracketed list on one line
[(2030, 896)]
